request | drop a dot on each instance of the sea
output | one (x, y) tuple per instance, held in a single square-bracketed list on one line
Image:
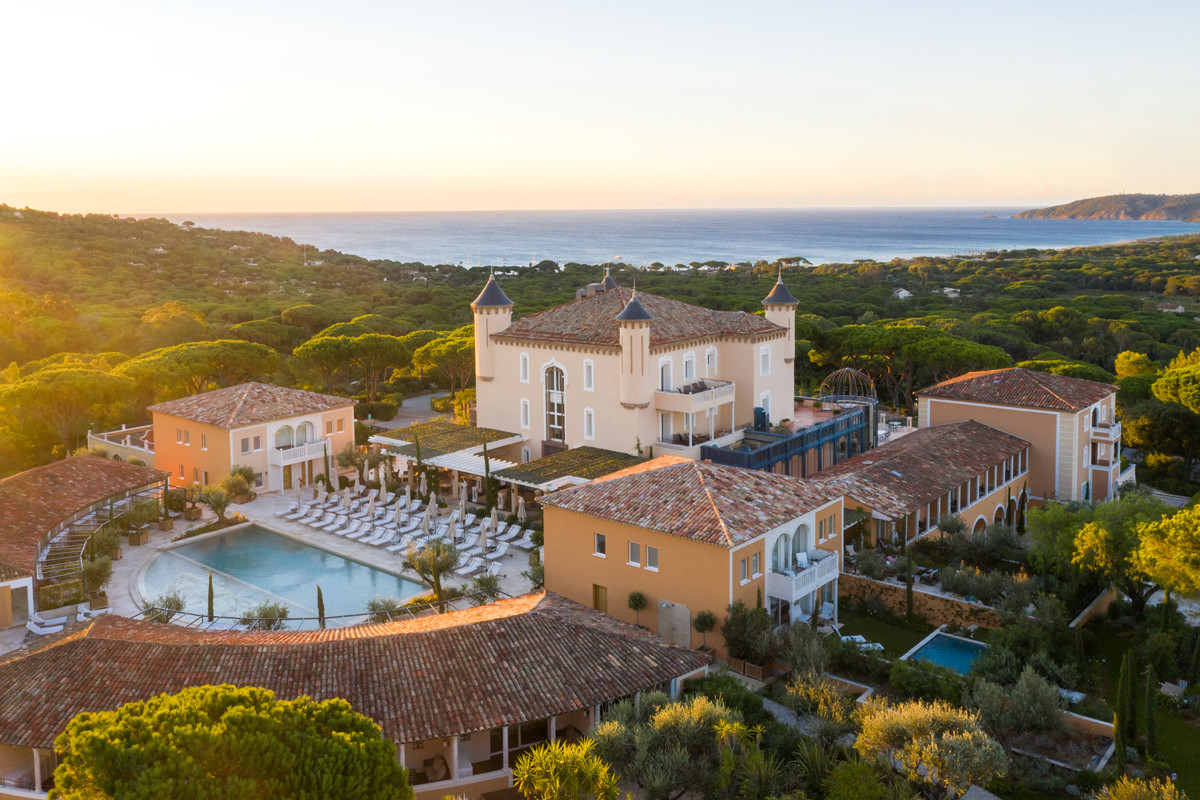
[(642, 237)]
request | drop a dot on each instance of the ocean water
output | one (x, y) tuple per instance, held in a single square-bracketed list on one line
[(683, 236)]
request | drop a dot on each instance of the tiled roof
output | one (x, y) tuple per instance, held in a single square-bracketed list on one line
[(593, 320), (698, 500), (439, 437), (906, 473), (1018, 386), (515, 660), (34, 501), (249, 404), (11, 572), (578, 462)]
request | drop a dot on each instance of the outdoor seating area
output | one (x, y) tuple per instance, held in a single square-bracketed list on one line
[(400, 523)]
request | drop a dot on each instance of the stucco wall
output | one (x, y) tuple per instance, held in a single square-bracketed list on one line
[(935, 609)]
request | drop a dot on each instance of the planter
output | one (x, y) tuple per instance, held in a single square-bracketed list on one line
[(192, 513), (99, 601), (242, 499), (737, 665), (166, 524), (135, 539), (534, 558), (62, 612), (755, 671)]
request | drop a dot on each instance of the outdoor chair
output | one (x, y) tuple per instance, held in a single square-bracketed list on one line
[(513, 533), (499, 552), (471, 567), (347, 529)]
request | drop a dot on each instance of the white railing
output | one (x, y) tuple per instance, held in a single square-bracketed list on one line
[(299, 453), (796, 584), (717, 393), (1106, 431)]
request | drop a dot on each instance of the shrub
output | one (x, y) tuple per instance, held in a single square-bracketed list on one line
[(382, 410), (855, 780), (918, 679), (382, 609), (733, 694), (703, 622), (235, 485), (266, 616), (167, 605), (97, 572), (747, 633), (811, 693), (802, 649), (1035, 704), (105, 542), (871, 563)]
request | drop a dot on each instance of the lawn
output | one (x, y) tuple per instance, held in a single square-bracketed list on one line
[(896, 639), (1178, 741)]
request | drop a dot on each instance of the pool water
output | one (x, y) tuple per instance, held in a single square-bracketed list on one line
[(950, 651), (252, 564)]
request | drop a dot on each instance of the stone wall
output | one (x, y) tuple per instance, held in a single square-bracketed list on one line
[(1096, 608), (935, 609)]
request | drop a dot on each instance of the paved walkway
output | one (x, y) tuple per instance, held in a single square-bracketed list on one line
[(413, 409)]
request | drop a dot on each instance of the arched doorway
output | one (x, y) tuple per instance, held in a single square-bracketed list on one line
[(283, 437), (999, 515), (781, 554), (980, 526)]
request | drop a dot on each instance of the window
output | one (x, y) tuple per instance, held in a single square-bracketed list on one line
[(652, 558), (635, 554), (589, 375), (204, 441), (832, 529), (526, 454), (689, 367), (182, 474), (195, 474), (524, 367), (341, 425), (187, 438), (743, 570), (765, 402), (246, 444), (599, 545), (821, 530), (664, 376), (179, 436), (710, 364), (764, 360), (257, 443), (524, 413), (589, 424), (205, 481), (258, 480), (756, 564), (556, 410)]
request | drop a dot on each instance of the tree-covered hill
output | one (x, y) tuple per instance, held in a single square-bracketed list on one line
[(1181, 207), (136, 311)]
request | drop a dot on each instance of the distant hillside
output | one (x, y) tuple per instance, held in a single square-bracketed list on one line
[(1179, 207)]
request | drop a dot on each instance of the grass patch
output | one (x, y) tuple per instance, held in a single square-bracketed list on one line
[(896, 639)]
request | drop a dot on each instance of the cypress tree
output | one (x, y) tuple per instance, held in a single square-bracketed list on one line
[(1194, 669), (1131, 698), (1151, 705), (320, 607), (1119, 740), (1121, 705), (210, 598)]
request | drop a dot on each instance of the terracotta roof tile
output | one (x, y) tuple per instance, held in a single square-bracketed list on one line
[(906, 473), (512, 661), (34, 501), (249, 404), (1018, 386), (697, 500), (593, 320)]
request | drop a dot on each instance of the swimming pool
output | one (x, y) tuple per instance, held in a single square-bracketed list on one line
[(251, 564), (954, 652)]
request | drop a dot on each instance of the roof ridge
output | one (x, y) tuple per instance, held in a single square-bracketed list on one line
[(245, 387), (713, 503), (1029, 374)]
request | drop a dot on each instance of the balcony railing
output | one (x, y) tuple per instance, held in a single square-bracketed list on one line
[(298, 454), (1106, 431), (796, 584), (695, 396)]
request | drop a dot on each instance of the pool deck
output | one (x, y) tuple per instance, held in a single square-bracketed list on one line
[(122, 591)]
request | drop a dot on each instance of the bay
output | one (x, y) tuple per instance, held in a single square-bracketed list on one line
[(641, 237)]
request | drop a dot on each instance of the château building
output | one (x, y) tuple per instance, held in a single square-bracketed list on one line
[(632, 372)]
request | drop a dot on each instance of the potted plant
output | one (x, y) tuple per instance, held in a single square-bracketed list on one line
[(703, 622), (747, 633), (238, 482), (137, 518), (165, 522), (97, 572), (192, 495)]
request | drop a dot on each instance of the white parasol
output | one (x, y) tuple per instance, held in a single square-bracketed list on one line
[(521, 514), (424, 484), (425, 523), (371, 508), (483, 536), (452, 532)]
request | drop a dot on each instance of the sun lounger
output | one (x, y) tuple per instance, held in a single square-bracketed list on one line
[(363, 532), (501, 527), (290, 510), (470, 568), (314, 516), (469, 519), (348, 528), (406, 540), (525, 542), (492, 568), (382, 536), (338, 522), (371, 495), (44, 630), (499, 552), (514, 532)]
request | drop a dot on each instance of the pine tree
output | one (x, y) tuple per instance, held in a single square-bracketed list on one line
[(1151, 705), (210, 598), (320, 607)]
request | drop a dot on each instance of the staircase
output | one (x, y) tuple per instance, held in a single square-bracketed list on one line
[(60, 562)]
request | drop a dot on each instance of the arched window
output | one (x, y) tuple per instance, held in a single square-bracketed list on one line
[(305, 433), (283, 437), (800, 540), (556, 413), (781, 554)]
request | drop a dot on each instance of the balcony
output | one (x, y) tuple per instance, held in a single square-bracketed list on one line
[(795, 585), (695, 396), (298, 454), (1106, 432), (692, 451)]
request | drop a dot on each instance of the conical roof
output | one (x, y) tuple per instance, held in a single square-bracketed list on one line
[(634, 311), (491, 296), (779, 294), (608, 283)]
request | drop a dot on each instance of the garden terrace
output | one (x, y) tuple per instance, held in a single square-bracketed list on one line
[(439, 437), (567, 468), (460, 693)]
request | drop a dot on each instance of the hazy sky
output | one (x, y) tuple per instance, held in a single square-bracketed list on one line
[(127, 107)]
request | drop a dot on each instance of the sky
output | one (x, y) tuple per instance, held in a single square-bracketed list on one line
[(253, 106)]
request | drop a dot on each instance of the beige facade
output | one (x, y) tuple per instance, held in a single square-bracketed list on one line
[(631, 394), (1074, 455), (680, 576)]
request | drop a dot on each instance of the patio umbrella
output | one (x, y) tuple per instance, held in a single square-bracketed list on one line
[(371, 508), (407, 496), (483, 537), (462, 508), (463, 490), (400, 515), (474, 494), (495, 519), (321, 495), (521, 514), (425, 525), (358, 487), (346, 497), (424, 484), (452, 533)]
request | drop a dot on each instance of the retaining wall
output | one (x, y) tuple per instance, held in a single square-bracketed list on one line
[(936, 609)]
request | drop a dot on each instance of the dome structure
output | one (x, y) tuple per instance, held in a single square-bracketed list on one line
[(848, 386)]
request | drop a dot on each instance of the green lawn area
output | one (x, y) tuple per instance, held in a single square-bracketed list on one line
[(896, 639), (1178, 741)]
